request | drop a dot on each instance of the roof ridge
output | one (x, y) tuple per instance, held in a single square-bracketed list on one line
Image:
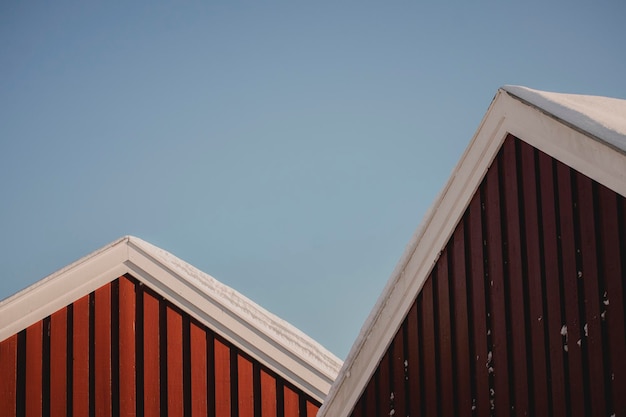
[(291, 337), (279, 345)]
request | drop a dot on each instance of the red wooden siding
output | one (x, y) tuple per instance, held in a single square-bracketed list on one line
[(124, 350), (523, 313), (58, 364), (8, 371), (79, 390)]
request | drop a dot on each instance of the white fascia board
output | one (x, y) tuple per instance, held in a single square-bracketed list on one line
[(506, 115), (591, 156), (226, 322), (62, 288)]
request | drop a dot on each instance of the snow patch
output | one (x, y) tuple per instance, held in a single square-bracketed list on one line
[(274, 327), (602, 117)]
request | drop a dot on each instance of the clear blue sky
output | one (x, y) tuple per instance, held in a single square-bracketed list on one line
[(288, 149)]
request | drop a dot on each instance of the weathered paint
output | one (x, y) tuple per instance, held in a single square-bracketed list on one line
[(124, 350), (523, 311)]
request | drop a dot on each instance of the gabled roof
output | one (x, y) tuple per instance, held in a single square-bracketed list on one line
[(275, 343), (585, 132)]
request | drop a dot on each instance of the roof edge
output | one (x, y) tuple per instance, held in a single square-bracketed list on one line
[(52, 276), (507, 114), (397, 285), (280, 331), (274, 342)]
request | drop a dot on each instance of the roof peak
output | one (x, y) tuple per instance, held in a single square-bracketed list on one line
[(603, 118), (553, 123), (274, 342)]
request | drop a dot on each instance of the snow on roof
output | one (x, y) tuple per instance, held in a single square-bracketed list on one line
[(602, 117), (271, 340), (275, 327)]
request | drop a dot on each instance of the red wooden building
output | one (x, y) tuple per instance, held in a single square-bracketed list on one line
[(510, 298), (133, 330)]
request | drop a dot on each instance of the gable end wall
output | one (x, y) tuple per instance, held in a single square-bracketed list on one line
[(523, 313), (124, 350)]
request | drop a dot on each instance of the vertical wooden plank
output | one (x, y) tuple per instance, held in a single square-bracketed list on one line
[(412, 365), (535, 287), (478, 338), (498, 310), (357, 410), (8, 376), (245, 387), (551, 275), (612, 308), (210, 370), (292, 403), (175, 405), (256, 388), (514, 269), (570, 285), (384, 394), (198, 371), (127, 361), (102, 348), (151, 355), (445, 337), (268, 395), (311, 409), (399, 379), (591, 337), (80, 349), (222, 379), (58, 363), (34, 376), (370, 398), (427, 315), (462, 354)]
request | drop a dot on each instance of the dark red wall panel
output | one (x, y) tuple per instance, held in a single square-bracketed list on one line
[(291, 405), (34, 369), (8, 373), (58, 364), (199, 400), (124, 350), (102, 351), (175, 406), (269, 405), (127, 347), (222, 379), (80, 356), (245, 387), (523, 312), (151, 354)]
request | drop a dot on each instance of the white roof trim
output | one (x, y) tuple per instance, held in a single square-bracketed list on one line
[(275, 343), (571, 144)]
